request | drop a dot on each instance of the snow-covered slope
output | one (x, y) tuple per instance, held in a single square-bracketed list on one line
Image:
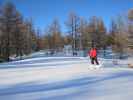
[(64, 78)]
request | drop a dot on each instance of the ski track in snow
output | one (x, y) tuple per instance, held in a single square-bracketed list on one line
[(64, 78)]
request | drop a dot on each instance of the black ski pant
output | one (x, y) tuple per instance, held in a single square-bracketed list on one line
[(94, 60)]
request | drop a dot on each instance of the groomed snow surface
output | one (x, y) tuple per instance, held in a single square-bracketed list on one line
[(65, 78)]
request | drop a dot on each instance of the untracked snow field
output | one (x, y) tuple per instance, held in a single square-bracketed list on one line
[(64, 78)]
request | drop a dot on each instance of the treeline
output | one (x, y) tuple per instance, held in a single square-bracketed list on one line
[(81, 34), (19, 37), (121, 34)]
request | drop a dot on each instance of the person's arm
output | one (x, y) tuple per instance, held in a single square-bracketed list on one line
[(90, 53)]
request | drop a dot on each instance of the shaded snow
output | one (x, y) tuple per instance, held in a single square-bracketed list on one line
[(65, 78)]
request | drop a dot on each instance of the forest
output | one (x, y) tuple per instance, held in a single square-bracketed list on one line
[(19, 37)]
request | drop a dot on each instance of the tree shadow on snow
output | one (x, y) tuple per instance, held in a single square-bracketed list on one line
[(82, 85)]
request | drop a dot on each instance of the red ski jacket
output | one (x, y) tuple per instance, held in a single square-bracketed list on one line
[(93, 53)]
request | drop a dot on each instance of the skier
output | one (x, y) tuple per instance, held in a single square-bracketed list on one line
[(93, 55)]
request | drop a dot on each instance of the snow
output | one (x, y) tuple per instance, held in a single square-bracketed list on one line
[(65, 78)]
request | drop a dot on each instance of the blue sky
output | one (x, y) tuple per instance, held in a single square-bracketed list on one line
[(44, 11)]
